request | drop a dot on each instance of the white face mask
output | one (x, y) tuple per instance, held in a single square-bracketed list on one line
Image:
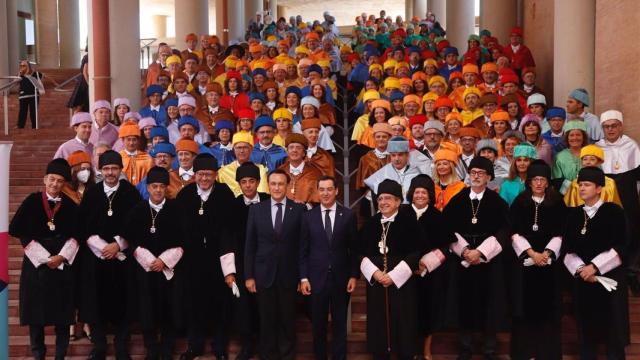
[(83, 175)]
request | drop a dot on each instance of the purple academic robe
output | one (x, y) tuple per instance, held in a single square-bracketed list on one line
[(71, 146)]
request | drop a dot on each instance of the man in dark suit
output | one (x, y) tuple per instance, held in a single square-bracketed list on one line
[(328, 267), (271, 266)]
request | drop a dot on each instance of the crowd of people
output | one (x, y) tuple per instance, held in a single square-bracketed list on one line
[(212, 209)]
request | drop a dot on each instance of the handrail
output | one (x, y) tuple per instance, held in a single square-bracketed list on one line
[(145, 49), (59, 87), (6, 88)]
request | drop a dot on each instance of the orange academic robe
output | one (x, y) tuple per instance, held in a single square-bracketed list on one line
[(176, 184), (443, 196), (136, 167), (369, 164), (323, 160), (303, 188)]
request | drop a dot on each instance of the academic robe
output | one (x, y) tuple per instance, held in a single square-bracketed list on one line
[(303, 188), (368, 165), (324, 161), (389, 172), (601, 315), (223, 156), (406, 243), (159, 300), (175, 185), (108, 134), (272, 158), (208, 118), (609, 193), (520, 58), (227, 175), (107, 285), (206, 238), (46, 295), (432, 286), (477, 299), (135, 167), (71, 146), (536, 291), (235, 104), (160, 116), (565, 169)]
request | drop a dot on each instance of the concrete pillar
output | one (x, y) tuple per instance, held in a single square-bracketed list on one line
[(574, 51), (99, 53), (419, 9), (282, 12), (273, 9), (220, 16), (159, 26), (192, 16), (439, 9), (124, 35), (498, 16), (251, 7), (47, 50), (460, 22), (4, 43), (69, 28), (235, 21), (12, 36), (408, 9)]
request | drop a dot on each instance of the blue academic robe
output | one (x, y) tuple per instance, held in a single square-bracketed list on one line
[(159, 116), (272, 158)]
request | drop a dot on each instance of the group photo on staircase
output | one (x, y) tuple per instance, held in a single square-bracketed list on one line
[(288, 179)]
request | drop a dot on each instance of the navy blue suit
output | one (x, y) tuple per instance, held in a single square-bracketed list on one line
[(328, 264), (272, 261)]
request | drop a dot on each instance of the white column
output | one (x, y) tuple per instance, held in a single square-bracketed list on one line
[(439, 9), (419, 9), (47, 50), (192, 16), (159, 26), (69, 28), (460, 22), (4, 42), (408, 9), (12, 36), (236, 21), (124, 39), (498, 16), (273, 9), (574, 50), (220, 19), (251, 7)]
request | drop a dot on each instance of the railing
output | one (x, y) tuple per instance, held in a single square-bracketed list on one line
[(60, 88), (146, 56), (6, 89)]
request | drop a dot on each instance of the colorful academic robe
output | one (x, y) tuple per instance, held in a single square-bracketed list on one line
[(135, 167), (368, 165), (323, 160), (71, 146), (227, 175), (271, 158), (303, 188)]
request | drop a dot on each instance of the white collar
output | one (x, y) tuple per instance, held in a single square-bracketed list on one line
[(556, 135), (515, 48), (110, 190), (229, 146), (474, 196), (233, 93), (419, 212), (156, 108), (183, 172), (391, 218), (265, 148), (418, 143), (296, 170), (81, 142), (204, 194), (380, 154), (528, 88), (451, 67), (283, 202), (131, 153), (255, 200), (293, 112), (178, 94), (592, 210), (157, 207), (213, 109), (537, 199), (332, 208), (312, 151), (467, 157), (51, 198)]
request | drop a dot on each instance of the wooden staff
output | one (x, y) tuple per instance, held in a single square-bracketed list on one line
[(386, 290)]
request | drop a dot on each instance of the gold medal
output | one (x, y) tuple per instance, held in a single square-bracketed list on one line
[(293, 191), (383, 249), (109, 212), (152, 230), (201, 211), (51, 225), (474, 220)]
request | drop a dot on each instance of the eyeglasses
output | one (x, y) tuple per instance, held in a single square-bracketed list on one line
[(611, 126), (476, 173)]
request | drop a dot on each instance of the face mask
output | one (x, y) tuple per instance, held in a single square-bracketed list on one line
[(83, 175)]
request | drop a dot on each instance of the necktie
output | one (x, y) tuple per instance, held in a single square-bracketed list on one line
[(327, 225), (52, 204), (154, 114), (277, 227)]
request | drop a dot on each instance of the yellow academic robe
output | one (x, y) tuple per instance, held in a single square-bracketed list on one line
[(227, 175), (609, 193), (136, 167)]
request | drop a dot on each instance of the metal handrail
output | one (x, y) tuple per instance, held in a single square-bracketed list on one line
[(145, 48), (6, 88), (59, 87)]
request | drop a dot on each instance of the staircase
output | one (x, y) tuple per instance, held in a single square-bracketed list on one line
[(34, 148)]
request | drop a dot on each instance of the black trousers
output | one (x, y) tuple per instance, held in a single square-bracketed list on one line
[(332, 297), (197, 333), (27, 105), (99, 338), (159, 347), (589, 347), (277, 308), (489, 342), (39, 350), (539, 339)]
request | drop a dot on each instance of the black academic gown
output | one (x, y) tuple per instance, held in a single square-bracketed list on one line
[(601, 315), (406, 242), (432, 287), (536, 297), (477, 294), (206, 239), (159, 301), (107, 286), (46, 295), (245, 308)]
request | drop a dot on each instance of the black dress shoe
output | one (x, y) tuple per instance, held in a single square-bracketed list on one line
[(189, 355)]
